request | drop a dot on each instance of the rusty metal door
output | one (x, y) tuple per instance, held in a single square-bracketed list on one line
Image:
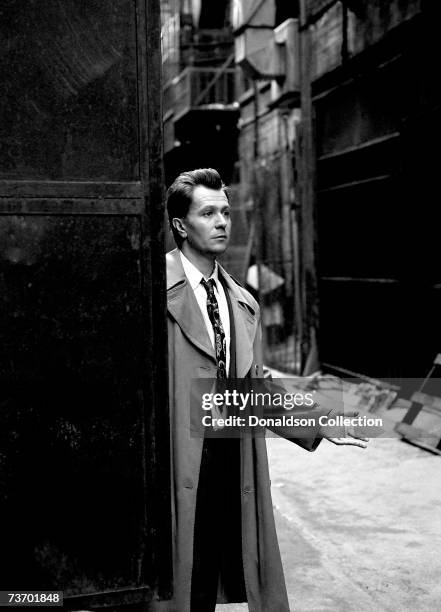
[(84, 455)]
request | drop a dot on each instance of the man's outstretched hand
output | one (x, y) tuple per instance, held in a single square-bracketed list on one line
[(343, 435)]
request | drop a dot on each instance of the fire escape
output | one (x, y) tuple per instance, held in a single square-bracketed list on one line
[(200, 111)]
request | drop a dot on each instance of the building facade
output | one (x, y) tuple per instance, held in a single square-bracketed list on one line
[(200, 113), (323, 115), (350, 156), (267, 51)]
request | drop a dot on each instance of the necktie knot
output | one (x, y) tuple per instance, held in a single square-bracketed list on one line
[(209, 286)]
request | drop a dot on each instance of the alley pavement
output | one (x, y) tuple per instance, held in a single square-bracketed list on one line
[(359, 530)]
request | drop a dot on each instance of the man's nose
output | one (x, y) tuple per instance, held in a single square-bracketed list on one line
[(221, 220)]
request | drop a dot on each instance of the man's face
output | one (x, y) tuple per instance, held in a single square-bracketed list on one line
[(207, 225)]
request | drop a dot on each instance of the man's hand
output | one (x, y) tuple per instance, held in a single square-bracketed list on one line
[(350, 440), (342, 435)]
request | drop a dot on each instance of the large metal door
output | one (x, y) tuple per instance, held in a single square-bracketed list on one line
[(84, 456)]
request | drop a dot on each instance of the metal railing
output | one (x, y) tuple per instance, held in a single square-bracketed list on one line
[(200, 88)]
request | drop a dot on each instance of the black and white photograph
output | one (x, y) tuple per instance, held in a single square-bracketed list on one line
[(220, 305)]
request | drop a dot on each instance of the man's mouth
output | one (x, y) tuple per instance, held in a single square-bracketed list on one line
[(220, 236)]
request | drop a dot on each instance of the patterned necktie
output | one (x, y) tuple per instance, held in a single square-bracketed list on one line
[(220, 344)]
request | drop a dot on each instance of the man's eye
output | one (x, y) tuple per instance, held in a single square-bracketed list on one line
[(226, 213), (208, 213)]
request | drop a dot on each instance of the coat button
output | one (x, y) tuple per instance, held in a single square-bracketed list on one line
[(188, 484)]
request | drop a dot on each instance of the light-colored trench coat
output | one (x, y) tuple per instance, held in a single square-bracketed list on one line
[(191, 355)]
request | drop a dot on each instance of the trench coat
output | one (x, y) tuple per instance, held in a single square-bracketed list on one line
[(191, 355)]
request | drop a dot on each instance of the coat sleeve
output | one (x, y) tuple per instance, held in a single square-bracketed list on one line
[(307, 437)]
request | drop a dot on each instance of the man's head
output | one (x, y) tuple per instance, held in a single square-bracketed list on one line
[(199, 212)]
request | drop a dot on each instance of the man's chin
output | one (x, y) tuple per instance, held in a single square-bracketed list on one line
[(219, 249)]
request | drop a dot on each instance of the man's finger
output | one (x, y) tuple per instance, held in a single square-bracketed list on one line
[(344, 413), (348, 442), (350, 413)]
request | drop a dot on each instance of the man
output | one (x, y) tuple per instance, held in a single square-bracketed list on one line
[(225, 543)]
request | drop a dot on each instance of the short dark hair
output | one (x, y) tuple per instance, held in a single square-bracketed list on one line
[(180, 193)]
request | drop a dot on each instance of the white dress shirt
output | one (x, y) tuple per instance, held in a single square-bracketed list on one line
[(194, 277)]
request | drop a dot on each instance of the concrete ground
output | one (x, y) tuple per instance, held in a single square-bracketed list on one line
[(359, 530)]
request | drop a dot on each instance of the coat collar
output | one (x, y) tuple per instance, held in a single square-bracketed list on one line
[(176, 275), (183, 307)]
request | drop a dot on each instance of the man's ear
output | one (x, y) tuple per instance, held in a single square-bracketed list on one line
[(179, 226)]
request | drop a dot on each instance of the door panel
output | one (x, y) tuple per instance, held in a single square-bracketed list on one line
[(84, 439)]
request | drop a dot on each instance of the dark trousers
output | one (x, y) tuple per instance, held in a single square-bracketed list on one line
[(217, 542)]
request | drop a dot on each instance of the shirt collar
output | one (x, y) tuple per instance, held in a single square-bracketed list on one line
[(194, 275)]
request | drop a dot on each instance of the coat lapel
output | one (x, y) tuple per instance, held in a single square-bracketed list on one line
[(245, 323), (183, 307)]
